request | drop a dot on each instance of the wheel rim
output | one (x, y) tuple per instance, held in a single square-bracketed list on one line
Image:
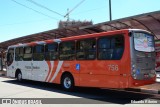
[(67, 82), (19, 76)]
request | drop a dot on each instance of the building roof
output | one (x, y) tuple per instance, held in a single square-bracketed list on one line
[(148, 21)]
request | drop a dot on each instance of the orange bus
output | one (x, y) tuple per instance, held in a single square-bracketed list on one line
[(115, 59)]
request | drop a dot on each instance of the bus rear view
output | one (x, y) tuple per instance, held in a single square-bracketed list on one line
[(142, 58)]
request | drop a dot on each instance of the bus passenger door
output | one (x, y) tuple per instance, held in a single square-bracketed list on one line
[(10, 62), (20, 64)]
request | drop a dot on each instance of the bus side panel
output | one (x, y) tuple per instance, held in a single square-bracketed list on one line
[(125, 64), (39, 71), (67, 66), (107, 73), (97, 74)]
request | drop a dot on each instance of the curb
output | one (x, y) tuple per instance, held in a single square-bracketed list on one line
[(144, 90)]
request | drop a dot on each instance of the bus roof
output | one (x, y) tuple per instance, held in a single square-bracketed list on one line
[(74, 37)]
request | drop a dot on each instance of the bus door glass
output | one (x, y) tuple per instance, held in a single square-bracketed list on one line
[(38, 63)]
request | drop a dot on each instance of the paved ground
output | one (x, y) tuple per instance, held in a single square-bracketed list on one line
[(10, 88), (153, 89)]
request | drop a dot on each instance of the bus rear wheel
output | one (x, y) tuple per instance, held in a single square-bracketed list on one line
[(67, 82)]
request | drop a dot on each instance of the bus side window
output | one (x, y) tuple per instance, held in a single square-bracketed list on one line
[(104, 51), (86, 49), (10, 56), (110, 48), (117, 44), (51, 51), (67, 50), (27, 54), (38, 53), (19, 54)]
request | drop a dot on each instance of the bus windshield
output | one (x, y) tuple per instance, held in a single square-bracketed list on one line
[(144, 42)]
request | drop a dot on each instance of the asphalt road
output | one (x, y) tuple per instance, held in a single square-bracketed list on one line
[(10, 88)]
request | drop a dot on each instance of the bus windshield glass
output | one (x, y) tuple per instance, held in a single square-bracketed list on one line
[(144, 42)]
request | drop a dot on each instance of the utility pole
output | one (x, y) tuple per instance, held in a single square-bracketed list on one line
[(110, 10), (67, 15)]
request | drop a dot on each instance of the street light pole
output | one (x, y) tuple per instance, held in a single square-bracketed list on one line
[(110, 10)]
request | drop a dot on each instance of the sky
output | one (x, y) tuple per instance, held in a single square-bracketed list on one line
[(17, 20)]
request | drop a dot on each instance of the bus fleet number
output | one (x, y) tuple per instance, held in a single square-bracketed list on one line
[(112, 67)]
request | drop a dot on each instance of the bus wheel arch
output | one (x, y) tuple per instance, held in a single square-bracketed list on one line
[(18, 75), (67, 81)]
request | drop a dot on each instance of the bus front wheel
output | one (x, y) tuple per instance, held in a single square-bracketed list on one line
[(67, 82), (19, 76)]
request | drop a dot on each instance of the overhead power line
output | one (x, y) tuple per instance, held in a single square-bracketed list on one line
[(34, 10), (44, 7), (74, 8)]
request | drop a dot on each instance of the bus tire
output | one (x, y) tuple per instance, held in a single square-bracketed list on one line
[(67, 82), (19, 76)]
